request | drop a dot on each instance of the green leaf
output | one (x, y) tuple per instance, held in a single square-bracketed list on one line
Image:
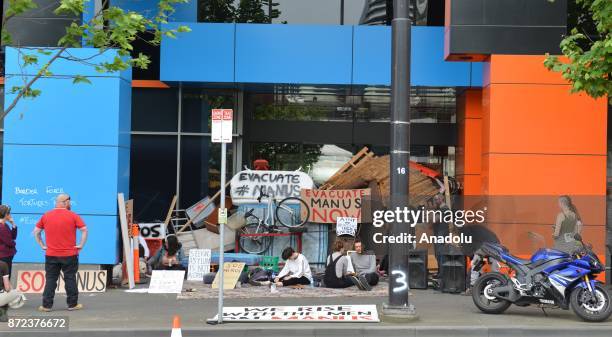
[(80, 79)]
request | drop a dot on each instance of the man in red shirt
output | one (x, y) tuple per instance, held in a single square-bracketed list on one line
[(61, 251)]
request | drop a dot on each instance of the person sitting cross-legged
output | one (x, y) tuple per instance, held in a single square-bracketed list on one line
[(364, 263), (296, 271)]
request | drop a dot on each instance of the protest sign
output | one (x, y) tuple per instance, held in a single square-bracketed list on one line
[(325, 313), (166, 282), (88, 281), (246, 185), (199, 264), (327, 205), (346, 226), (153, 230), (231, 273)]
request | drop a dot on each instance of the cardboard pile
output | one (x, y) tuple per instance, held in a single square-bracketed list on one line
[(368, 170)]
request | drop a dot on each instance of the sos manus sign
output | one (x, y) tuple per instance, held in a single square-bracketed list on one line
[(155, 230), (88, 281)]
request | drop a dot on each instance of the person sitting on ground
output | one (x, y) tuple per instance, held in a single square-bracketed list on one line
[(364, 263), (169, 256), (337, 274), (296, 271), (7, 293)]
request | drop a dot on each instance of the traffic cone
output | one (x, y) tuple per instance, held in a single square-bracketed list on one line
[(176, 327)]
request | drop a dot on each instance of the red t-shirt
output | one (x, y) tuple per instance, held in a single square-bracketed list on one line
[(60, 227)]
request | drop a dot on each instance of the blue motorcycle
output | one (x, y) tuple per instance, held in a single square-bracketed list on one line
[(550, 279)]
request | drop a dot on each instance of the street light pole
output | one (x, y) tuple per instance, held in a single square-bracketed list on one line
[(399, 305)]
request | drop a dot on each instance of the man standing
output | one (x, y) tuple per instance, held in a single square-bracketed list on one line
[(61, 251), (364, 264)]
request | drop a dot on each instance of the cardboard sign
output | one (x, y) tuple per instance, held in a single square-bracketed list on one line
[(166, 282), (324, 313), (88, 281), (129, 212), (231, 273), (327, 205), (245, 185), (346, 226), (197, 213), (199, 264), (221, 120), (154, 230)]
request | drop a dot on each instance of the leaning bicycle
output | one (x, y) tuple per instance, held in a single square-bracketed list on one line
[(257, 235)]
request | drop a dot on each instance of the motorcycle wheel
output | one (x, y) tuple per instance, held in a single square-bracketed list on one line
[(481, 297), (588, 308)]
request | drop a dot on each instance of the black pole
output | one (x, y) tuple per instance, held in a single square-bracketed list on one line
[(270, 10), (399, 304), (341, 12)]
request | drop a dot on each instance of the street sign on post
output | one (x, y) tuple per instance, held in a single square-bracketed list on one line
[(222, 133)]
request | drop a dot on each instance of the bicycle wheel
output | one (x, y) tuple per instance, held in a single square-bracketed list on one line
[(254, 244), (288, 215)]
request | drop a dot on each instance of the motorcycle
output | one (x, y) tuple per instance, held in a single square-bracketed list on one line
[(550, 279)]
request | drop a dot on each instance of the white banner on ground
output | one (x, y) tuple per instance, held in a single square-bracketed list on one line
[(199, 264), (166, 282), (323, 313)]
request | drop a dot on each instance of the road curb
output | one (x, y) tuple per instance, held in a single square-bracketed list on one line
[(342, 330)]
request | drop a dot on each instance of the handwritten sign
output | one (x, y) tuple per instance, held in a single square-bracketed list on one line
[(88, 281), (153, 230), (246, 185), (166, 282), (231, 273), (319, 313), (327, 205), (199, 264), (346, 226)]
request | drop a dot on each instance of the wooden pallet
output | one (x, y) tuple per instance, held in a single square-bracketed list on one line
[(358, 159)]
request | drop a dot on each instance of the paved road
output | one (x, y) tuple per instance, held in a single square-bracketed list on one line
[(117, 313)]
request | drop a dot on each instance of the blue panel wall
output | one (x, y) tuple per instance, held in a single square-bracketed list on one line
[(73, 138), (308, 54), (372, 55), (187, 12), (206, 54), (99, 249), (293, 54)]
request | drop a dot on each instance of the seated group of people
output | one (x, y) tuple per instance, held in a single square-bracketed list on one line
[(341, 270)]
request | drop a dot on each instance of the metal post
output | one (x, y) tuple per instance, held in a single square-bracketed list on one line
[(221, 231), (399, 305), (270, 9), (341, 12)]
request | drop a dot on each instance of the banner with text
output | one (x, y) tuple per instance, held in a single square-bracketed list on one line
[(327, 205), (88, 281), (325, 313), (246, 185)]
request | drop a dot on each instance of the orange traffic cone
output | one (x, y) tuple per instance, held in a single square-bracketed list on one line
[(176, 327)]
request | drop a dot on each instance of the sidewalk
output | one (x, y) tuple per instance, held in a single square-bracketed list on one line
[(117, 313)]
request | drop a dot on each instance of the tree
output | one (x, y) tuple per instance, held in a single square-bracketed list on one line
[(588, 48), (109, 28), (216, 10), (244, 11)]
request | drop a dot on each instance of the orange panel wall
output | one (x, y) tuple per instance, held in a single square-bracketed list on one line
[(538, 139), (469, 150)]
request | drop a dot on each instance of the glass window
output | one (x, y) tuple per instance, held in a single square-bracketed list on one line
[(201, 168), (154, 109), (152, 176), (197, 106)]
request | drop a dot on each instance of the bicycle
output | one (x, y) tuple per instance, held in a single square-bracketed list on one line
[(256, 236)]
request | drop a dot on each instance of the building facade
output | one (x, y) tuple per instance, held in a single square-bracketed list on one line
[(484, 109)]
